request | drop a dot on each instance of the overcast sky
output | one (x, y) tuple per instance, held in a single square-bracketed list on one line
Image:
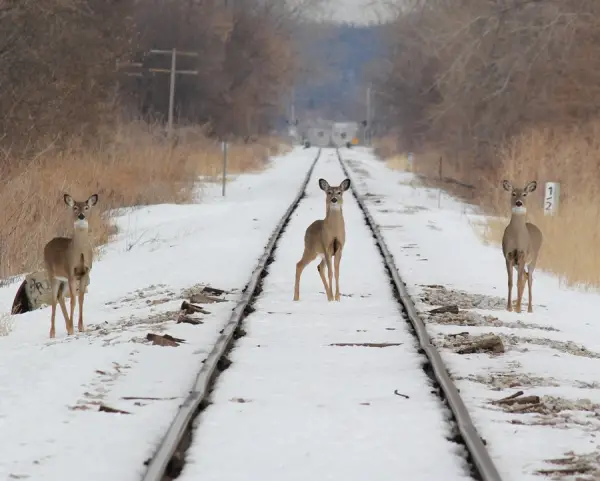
[(357, 11)]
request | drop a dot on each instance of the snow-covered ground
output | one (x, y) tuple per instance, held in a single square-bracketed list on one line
[(50, 390), (295, 405), (553, 353), (299, 407)]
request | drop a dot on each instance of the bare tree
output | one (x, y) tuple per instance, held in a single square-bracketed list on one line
[(468, 74)]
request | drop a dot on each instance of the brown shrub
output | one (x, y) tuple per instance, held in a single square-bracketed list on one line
[(135, 166)]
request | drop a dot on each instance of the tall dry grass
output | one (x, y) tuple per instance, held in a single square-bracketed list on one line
[(569, 156), (135, 165), (571, 246)]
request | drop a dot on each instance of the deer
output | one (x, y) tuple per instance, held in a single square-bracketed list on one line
[(325, 238), (521, 244), (68, 262)]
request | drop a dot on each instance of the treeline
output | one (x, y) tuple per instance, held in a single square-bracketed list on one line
[(467, 75), (337, 56), (59, 77)]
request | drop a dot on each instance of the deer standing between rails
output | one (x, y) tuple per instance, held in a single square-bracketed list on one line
[(521, 244), (69, 261), (325, 238)]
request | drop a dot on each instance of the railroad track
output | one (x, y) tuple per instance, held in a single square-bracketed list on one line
[(323, 390)]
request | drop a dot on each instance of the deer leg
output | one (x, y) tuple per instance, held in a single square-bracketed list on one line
[(54, 284), (337, 259), (509, 271), (72, 293), (321, 269), (329, 276), (82, 285), (63, 306), (520, 279), (302, 263), (529, 284)]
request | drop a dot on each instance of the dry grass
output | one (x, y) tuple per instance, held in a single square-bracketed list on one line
[(386, 148), (571, 238), (569, 156), (135, 166)]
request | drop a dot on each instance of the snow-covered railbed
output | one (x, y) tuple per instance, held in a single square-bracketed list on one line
[(51, 425), (325, 390), (552, 354)]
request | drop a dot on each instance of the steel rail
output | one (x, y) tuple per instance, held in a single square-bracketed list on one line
[(159, 463), (480, 456)]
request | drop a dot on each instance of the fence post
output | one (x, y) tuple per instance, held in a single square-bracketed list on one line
[(440, 187), (225, 154)]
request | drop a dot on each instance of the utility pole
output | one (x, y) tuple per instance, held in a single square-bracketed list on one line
[(369, 120), (172, 71), (293, 106)]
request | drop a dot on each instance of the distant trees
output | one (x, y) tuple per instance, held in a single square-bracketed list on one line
[(59, 77), (247, 62), (336, 57), (57, 67), (469, 74)]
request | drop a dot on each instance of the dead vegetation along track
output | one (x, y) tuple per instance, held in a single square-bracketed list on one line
[(168, 460), (482, 466)]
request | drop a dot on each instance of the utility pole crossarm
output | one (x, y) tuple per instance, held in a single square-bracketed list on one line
[(171, 71), (168, 70), (170, 52)]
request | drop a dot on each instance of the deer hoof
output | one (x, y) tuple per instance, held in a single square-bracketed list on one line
[(530, 309), (337, 297), (509, 308)]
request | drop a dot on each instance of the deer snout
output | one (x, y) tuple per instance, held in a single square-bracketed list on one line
[(81, 216), (334, 200), (519, 203)]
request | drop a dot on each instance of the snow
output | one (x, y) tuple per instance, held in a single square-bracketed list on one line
[(50, 389), (293, 407), (553, 352)]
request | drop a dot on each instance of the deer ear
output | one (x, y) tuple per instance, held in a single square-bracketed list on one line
[(93, 200), (69, 200), (507, 185), (531, 186), (323, 184), (345, 185)]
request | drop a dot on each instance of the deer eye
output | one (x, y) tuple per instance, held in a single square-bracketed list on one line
[(86, 207), (514, 194)]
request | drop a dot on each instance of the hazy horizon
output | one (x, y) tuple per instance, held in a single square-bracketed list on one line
[(356, 11)]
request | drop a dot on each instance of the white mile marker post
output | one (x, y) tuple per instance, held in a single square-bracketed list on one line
[(551, 198)]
